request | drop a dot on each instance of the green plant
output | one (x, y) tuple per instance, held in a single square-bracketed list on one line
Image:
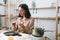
[(40, 31)]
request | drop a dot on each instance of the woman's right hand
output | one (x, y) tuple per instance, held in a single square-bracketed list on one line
[(14, 25)]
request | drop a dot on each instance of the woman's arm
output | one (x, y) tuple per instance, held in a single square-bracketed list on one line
[(29, 26)]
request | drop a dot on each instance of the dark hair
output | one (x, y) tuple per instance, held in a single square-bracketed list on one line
[(25, 7)]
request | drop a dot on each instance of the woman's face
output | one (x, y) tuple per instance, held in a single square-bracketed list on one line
[(21, 11)]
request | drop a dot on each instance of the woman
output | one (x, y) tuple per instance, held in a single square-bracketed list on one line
[(25, 22)]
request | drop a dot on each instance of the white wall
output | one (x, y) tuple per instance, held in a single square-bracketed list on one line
[(2, 12), (44, 13), (48, 24)]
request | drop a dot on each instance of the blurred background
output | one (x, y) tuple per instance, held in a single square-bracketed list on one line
[(43, 11)]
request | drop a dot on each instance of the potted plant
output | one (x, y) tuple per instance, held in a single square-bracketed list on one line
[(40, 31)]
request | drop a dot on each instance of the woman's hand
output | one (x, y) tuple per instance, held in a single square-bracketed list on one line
[(21, 25), (14, 25)]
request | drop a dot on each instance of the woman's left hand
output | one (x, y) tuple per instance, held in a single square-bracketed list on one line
[(21, 25)]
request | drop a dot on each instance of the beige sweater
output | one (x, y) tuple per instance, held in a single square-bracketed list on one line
[(28, 24)]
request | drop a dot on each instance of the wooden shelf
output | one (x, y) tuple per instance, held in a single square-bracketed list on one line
[(48, 18), (3, 4), (59, 35), (12, 5), (48, 30), (11, 17), (41, 8), (45, 8), (7, 4), (2, 15), (41, 18)]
